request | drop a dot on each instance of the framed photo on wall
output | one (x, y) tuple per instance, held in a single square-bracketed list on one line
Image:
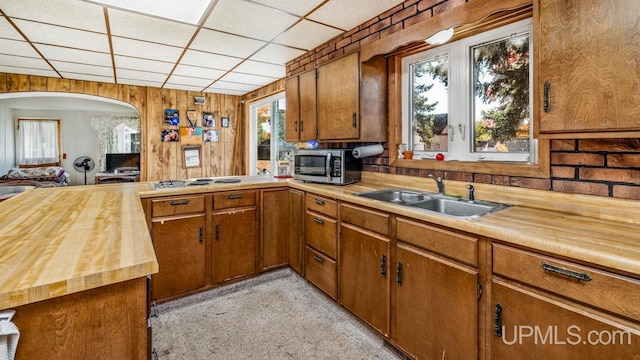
[(170, 135), (208, 119), (225, 122), (190, 135), (190, 156), (211, 136)]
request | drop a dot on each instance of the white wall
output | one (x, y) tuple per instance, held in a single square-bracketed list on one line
[(77, 136), (7, 145)]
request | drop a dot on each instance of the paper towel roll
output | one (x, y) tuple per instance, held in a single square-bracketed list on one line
[(364, 151)]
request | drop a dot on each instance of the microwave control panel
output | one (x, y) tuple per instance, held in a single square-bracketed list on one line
[(336, 166)]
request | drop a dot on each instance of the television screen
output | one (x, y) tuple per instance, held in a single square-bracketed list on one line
[(123, 162)]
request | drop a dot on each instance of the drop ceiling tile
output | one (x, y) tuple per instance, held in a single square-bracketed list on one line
[(57, 35), (82, 68), (21, 61), (225, 44), (130, 63), (72, 13), (7, 31), (17, 48), (208, 60), (191, 81), (347, 14), (277, 54), (225, 85), (170, 85), (141, 75), (307, 35), (145, 50), (27, 71), (249, 19), (296, 7), (261, 68), (70, 75), (198, 72), (72, 55), (149, 28), (225, 91), (248, 79)]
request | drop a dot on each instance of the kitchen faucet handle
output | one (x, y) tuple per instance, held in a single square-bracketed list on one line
[(472, 197)]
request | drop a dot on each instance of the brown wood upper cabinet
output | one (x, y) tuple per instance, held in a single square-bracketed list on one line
[(587, 77), (301, 107), (343, 99)]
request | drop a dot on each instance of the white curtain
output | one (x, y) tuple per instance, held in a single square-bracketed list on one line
[(37, 142)]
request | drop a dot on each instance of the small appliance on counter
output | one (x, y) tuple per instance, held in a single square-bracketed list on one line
[(328, 166)]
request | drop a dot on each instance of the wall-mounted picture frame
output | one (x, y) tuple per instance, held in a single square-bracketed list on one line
[(211, 136), (224, 122), (199, 100), (190, 135), (171, 117), (192, 118), (208, 119), (170, 135), (190, 156)]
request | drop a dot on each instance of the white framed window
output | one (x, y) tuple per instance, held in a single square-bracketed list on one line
[(38, 142), (267, 135), (471, 99)]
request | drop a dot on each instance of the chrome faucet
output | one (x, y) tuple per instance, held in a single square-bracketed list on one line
[(472, 197), (438, 181)]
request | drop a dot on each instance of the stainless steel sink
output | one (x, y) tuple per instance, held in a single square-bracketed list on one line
[(435, 202), (395, 196)]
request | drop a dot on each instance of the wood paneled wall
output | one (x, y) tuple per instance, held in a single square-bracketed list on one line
[(160, 161)]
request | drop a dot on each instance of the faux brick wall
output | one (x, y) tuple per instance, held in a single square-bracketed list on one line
[(603, 167)]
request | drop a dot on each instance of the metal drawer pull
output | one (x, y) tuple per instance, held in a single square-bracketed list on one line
[(497, 320), (318, 201), (179, 202), (318, 258), (399, 274), (319, 221), (232, 197), (547, 97), (154, 308), (383, 266), (566, 272)]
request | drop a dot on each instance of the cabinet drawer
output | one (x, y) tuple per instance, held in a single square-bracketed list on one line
[(231, 199), (177, 206), (321, 271), (365, 218), (448, 243), (599, 288), (321, 233), (322, 205)]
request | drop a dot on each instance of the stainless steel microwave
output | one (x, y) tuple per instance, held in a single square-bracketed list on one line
[(329, 166)]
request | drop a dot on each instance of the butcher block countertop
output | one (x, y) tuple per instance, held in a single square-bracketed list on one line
[(59, 241)]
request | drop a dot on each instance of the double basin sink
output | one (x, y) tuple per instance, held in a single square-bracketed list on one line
[(435, 202)]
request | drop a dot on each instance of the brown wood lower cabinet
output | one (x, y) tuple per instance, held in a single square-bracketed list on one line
[(435, 306), (234, 243), (275, 227), (180, 250), (534, 326), (364, 276), (320, 270), (105, 323)]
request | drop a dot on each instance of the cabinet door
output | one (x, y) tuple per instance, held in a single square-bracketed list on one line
[(275, 227), (588, 57), (234, 244), (296, 212), (338, 99), (436, 307), (364, 279), (307, 123), (180, 250), (292, 94), (535, 327)]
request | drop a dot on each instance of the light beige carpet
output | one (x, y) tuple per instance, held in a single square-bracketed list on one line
[(274, 316)]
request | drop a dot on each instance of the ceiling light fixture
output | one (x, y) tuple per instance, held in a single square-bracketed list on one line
[(440, 37), (186, 11)]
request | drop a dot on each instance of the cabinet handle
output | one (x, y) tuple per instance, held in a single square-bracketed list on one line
[(218, 232), (318, 258), (301, 125), (318, 201), (295, 126), (154, 308), (154, 354), (566, 272), (399, 274), (237, 196), (383, 266), (353, 121), (318, 221), (497, 320), (547, 97), (179, 202), (201, 237)]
